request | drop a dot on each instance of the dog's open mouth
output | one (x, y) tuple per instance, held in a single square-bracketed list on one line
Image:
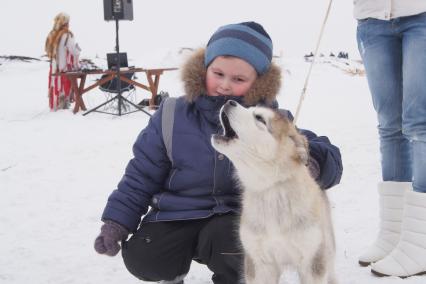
[(229, 133)]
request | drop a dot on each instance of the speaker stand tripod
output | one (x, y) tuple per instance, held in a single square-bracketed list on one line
[(120, 99)]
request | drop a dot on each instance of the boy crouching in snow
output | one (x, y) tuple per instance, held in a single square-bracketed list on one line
[(190, 191)]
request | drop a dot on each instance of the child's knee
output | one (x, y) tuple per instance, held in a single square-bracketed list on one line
[(145, 262)]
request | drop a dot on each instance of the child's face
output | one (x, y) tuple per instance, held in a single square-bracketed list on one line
[(229, 76)]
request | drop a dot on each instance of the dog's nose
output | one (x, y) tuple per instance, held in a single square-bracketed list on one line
[(233, 103)]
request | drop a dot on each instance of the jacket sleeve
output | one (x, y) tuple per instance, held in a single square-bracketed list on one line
[(144, 176), (328, 157), (326, 154)]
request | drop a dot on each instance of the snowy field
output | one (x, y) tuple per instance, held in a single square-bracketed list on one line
[(57, 169)]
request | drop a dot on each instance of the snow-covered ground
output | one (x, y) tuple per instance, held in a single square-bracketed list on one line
[(57, 169)]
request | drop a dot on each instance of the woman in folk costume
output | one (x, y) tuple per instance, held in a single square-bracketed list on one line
[(63, 52)]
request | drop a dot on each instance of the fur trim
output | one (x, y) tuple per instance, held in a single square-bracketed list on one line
[(52, 41), (60, 20), (265, 88), (60, 27)]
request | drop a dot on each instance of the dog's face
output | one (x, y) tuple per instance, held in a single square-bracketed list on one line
[(258, 134)]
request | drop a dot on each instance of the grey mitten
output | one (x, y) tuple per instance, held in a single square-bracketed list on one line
[(108, 240), (314, 168)]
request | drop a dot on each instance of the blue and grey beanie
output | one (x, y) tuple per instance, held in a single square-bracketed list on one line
[(248, 41)]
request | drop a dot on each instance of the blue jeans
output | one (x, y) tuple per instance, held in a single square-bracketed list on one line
[(394, 56)]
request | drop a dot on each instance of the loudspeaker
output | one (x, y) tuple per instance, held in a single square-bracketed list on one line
[(118, 10)]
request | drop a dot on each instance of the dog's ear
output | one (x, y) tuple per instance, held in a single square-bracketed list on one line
[(302, 148), (299, 140)]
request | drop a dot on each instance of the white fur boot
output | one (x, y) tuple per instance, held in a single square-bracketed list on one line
[(409, 256), (391, 203)]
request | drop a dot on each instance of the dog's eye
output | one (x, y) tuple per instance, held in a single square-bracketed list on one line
[(259, 118)]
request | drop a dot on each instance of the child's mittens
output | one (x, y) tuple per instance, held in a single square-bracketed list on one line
[(108, 240)]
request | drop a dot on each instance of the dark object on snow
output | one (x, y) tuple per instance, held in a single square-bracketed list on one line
[(88, 65), (19, 58), (342, 54), (158, 99), (309, 55)]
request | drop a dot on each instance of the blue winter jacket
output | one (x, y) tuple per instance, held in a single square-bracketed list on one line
[(199, 182)]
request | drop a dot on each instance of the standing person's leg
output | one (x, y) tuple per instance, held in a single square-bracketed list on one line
[(162, 250), (381, 49), (409, 256), (414, 98), (220, 249)]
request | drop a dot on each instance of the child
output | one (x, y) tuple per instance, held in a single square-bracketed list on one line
[(192, 196)]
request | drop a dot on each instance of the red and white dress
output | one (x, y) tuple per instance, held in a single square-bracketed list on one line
[(67, 59)]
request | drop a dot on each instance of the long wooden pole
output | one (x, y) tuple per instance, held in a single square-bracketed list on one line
[(305, 86)]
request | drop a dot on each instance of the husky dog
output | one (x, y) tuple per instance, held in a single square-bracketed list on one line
[(285, 219)]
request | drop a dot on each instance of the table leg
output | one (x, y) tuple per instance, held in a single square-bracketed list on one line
[(77, 95), (153, 85), (80, 91)]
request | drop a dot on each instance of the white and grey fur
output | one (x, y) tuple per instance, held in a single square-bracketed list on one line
[(285, 219)]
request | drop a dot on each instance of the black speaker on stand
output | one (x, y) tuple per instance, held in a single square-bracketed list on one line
[(115, 10)]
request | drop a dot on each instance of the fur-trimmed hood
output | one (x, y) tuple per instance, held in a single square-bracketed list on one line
[(264, 89)]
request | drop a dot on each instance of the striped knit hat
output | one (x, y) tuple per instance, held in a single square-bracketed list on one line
[(248, 41)]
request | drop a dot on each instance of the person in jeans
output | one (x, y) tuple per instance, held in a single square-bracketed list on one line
[(391, 37), (191, 192)]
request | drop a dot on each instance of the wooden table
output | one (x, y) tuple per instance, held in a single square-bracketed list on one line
[(152, 75)]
